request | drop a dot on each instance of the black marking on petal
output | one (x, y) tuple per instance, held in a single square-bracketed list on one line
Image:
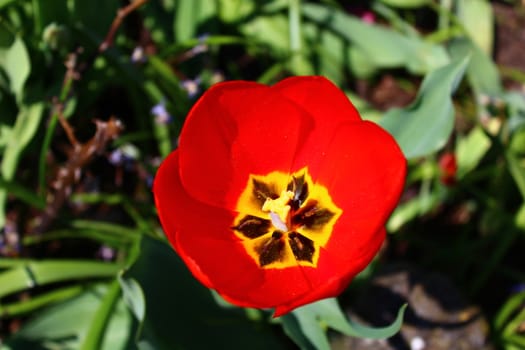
[(302, 247), (252, 227), (262, 191), (311, 216), (272, 249), (300, 190)]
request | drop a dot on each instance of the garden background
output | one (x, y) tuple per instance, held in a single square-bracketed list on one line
[(93, 95)]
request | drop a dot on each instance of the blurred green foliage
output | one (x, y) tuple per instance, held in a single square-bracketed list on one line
[(101, 275)]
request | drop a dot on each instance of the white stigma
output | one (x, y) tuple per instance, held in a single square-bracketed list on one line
[(277, 222)]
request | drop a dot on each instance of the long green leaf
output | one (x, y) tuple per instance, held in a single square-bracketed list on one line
[(382, 46), (25, 127), (425, 126), (26, 306), (37, 273), (406, 3), (95, 334), (66, 325)]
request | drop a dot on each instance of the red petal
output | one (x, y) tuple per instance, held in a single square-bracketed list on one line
[(202, 236), (329, 108), (331, 277), (216, 159), (319, 97), (364, 171)]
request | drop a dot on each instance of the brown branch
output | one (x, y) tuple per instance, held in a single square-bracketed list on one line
[(69, 174), (121, 14), (82, 153)]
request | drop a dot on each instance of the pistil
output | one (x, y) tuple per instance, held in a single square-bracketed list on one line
[(279, 210)]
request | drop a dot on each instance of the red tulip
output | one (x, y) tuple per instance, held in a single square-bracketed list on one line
[(277, 196), (448, 167)]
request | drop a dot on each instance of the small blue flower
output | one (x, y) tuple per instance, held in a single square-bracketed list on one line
[(125, 156), (191, 86), (161, 114), (138, 55), (116, 157)]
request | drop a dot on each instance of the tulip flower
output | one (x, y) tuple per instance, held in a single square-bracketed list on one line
[(278, 196), (448, 168)]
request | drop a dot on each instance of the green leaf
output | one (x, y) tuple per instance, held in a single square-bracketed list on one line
[(16, 64), (270, 30), (482, 72), (405, 3), (36, 302), (519, 219), (516, 111), (517, 171), (4, 3), (508, 309), (470, 149), (292, 328), (133, 296), (307, 325), (66, 325), (478, 19), (235, 10), (383, 47), (49, 11), (425, 126), (135, 300), (189, 15), (25, 127), (30, 273), (415, 207), (94, 16), (97, 327), (22, 193)]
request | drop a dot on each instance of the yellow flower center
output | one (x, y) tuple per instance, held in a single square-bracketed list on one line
[(285, 219)]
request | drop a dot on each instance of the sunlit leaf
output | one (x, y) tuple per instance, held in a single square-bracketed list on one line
[(15, 62), (313, 319), (425, 125), (382, 46), (189, 15), (478, 19), (470, 149), (482, 72), (25, 127)]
